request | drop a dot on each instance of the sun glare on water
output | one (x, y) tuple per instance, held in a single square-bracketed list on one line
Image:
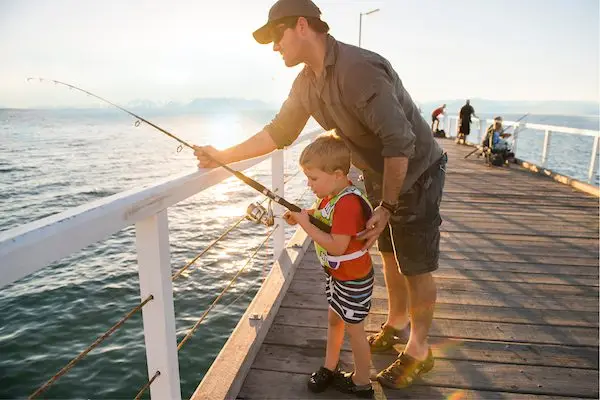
[(225, 131)]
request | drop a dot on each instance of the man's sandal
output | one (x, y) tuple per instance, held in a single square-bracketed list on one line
[(387, 337), (404, 371)]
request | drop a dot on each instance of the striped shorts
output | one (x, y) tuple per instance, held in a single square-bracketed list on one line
[(351, 300)]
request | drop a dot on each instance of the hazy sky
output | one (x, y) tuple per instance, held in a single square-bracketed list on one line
[(179, 50)]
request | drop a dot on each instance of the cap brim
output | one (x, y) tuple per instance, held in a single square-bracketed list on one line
[(263, 34)]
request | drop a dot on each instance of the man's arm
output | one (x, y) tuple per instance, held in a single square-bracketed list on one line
[(377, 102), (281, 132), (394, 173), (258, 145)]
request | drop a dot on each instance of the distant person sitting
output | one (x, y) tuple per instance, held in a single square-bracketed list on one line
[(435, 121), (495, 145), (464, 122)]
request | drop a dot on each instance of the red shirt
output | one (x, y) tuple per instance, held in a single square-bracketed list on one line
[(437, 112), (349, 219)]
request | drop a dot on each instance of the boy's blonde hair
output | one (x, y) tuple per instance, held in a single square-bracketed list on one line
[(328, 153)]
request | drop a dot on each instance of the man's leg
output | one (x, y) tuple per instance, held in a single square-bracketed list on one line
[(397, 290), (416, 240), (392, 331), (422, 295)]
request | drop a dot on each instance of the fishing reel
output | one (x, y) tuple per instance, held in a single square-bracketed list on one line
[(258, 214)]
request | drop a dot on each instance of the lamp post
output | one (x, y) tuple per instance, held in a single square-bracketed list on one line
[(360, 23)]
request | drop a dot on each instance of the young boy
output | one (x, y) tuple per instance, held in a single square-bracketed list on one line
[(349, 285)]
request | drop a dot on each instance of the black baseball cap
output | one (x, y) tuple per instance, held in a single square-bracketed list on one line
[(283, 9)]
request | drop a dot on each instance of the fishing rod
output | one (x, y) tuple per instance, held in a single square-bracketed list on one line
[(477, 147), (244, 178)]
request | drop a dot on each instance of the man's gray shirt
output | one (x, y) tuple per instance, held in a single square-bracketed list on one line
[(360, 96)]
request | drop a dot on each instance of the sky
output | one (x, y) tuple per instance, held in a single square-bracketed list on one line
[(180, 50)]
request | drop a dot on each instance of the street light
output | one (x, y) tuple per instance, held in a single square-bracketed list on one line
[(360, 23)]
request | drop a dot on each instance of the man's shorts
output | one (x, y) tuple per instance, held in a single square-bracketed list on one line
[(413, 234)]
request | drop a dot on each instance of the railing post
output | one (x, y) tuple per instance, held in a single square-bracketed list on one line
[(277, 176), (519, 127), (152, 242), (482, 129), (546, 147), (593, 161)]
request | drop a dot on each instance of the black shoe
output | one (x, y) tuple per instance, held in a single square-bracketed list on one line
[(345, 384), (320, 380)]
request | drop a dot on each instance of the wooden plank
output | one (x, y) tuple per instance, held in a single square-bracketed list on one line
[(456, 373), (564, 303), (457, 349), (490, 227), (491, 254), (472, 330), (492, 288), (531, 269), (507, 211), (518, 258), (464, 312), (515, 215), (545, 282), (516, 192), (483, 250), (453, 223), (532, 239), (534, 202), (500, 208), (264, 384)]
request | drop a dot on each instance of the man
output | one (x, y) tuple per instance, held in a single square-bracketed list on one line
[(435, 122), (495, 144), (358, 93), (464, 124)]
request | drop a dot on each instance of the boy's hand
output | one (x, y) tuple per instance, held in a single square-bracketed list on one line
[(289, 218), (297, 217)]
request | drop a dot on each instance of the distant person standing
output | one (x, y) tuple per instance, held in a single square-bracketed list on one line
[(464, 125), (435, 115)]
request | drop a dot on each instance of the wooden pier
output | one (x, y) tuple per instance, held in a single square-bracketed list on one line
[(517, 310)]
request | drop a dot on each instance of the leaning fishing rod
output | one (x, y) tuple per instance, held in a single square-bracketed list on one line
[(244, 178), (503, 130)]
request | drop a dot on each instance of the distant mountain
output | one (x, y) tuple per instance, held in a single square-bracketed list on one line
[(212, 104), (142, 104), (225, 104), (516, 107)]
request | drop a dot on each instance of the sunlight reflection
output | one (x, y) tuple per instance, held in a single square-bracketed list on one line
[(458, 395), (447, 345), (233, 210), (225, 131)]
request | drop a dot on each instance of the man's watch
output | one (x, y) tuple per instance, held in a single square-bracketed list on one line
[(392, 208)]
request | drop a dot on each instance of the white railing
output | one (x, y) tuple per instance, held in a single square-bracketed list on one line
[(31, 247), (450, 125)]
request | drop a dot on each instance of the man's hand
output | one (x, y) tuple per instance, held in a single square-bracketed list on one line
[(206, 162), (375, 225)]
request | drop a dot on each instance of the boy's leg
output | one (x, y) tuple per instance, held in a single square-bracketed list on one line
[(325, 376), (361, 353), (335, 338)]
